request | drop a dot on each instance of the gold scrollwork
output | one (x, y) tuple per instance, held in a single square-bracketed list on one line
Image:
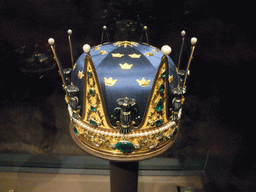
[(94, 106)]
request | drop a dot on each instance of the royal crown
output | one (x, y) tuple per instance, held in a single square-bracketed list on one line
[(119, 114)]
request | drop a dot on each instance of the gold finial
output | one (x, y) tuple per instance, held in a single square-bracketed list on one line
[(110, 82), (126, 66), (103, 52), (143, 82), (134, 55), (70, 47), (125, 43), (117, 55), (80, 74), (193, 43), (148, 53)]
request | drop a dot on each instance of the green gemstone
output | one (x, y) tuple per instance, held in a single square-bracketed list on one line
[(92, 122), (89, 74), (75, 130), (125, 146), (163, 74), (160, 105), (175, 131), (93, 109), (158, 122), (91, 91), (161, 88)]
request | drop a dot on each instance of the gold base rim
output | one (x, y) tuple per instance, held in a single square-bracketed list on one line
[(118, 157)]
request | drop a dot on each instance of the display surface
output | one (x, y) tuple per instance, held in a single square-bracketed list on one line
[(124, 99)]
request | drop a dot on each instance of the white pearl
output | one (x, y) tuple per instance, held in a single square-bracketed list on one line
[(69, 31), (166, 49), (87, 48), (51, 41), (193, 40), (183, 33)]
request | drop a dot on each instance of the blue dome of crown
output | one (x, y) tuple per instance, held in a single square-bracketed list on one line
[(127, 63)]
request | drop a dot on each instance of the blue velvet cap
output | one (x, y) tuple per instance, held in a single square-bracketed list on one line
[(145, 60)]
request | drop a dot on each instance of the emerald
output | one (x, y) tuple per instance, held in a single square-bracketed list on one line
[(75, 130), (161, 88), (175, 131), (124, 146), (163, 75), (158, 122), (89, 74), (160, 105), (91, 91), (92, 122), (93, 109)]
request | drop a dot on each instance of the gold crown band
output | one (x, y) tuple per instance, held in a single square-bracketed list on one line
[(118, 134)]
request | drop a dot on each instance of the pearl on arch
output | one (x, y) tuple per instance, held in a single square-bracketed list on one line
[(166, 50), (87, 48)]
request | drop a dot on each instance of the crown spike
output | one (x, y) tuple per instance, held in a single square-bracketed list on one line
[(70, 47), (87, 48), (166, 50), (145, 28), (193, 43), (183, 33), (104, 31), (51, 41)]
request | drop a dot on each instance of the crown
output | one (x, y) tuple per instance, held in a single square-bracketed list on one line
[(125, 66), (109, 81), (124, 115), (143, 82)]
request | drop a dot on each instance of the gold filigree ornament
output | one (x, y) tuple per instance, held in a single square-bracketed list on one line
[(143, 82), (117, 55), (125, 43), (125, 66), (80, 74), (110, 82), (134, 56), (94, 113)]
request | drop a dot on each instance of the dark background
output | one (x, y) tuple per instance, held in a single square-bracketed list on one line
[(222, 70)]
